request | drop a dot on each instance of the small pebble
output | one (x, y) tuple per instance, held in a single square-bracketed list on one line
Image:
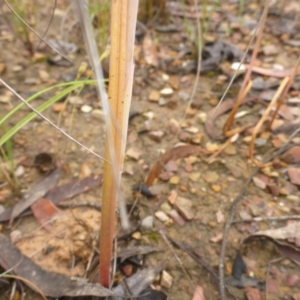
[(20, 171), (136, 235), (202, 117), (147, 222), (166, 280), (154, 96), (98, 114), (174, 180), (259, 142), (160, 215), (86, 109), (166, 91), (15, 236), (17, 68), (133, 153), (162, 102), (183, 95)]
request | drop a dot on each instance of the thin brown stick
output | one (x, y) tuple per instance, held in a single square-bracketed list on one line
[(229, 124), (240, 98), (284, 93), (262, 120)]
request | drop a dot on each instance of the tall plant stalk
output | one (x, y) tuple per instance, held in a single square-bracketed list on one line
[(123, 22)]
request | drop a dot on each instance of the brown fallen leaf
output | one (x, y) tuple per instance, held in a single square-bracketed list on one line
[(36, 192), (284, 239), (172, 154), (51, 284), (62, 192), (44, 211)]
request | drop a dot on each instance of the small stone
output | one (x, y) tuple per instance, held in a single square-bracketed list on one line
[(149, 115), (185, 207), (294, 175), (44, 75), (166, 207), (217, 238), (192, 129), (276, 124), (292, 155), (136, 235), (156, 135), (171, 166), (196, 104), (166, 280), (147, 222), (166, 91), (172, 197), (86, 109), (183, 95), (176, 217), (202, 117), (154, 96), (174, 82), (288, 189), (6, 97), (58, 107), (247, 139), (230, 149), (216, 188), (259, 183), (213, 101), (212, 147), (174, 180), (245, 215), (260, 142), (195, 176), (160, 215), (127, 270), (133, 153), (32, 81), (292, 280), (220, 216), (158, 189), (270, 50), (17, 68), (15, 236), (293, 198), (165, 77), (20, 171), (211, 176), (98, 114), (162, 101), (75, 100), (184, 136), (85, 171)]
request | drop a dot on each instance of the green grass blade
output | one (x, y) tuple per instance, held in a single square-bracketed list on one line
[(33, 97), (41, 108)]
